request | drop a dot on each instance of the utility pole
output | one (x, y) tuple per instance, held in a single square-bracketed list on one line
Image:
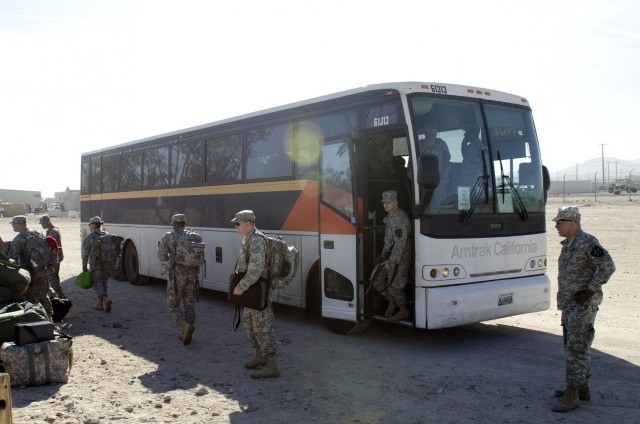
[(602, 147)]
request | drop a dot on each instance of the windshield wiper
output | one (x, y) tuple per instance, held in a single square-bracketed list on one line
[(524, 215), (481, 185)]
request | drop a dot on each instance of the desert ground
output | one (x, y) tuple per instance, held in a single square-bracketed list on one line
[(129, 365)]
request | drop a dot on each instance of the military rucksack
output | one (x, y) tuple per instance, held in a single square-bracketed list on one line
[(107, 248), (190, 249), (282, 260), (42, 255)]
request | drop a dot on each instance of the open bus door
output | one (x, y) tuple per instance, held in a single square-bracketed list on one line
[(339, 238), (386, 167)]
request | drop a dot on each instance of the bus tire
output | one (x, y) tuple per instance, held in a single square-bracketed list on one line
[(118, 272), (313, 304), (339, 326), (132, 266)]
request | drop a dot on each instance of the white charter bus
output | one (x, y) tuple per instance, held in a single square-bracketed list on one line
[(314, 171)]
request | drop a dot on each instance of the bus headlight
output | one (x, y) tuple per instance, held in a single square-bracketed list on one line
[(541, 263), (456, 271), (433, 273), (532, 264), (445, 272)]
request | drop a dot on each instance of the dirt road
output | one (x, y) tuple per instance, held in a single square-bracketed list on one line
[(131, 367)]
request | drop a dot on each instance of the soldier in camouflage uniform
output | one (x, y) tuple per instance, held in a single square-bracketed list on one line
[(583, 267), (392, 279), (100, 271), (53, 231), (38, 291), (257, 324), (182, 286)]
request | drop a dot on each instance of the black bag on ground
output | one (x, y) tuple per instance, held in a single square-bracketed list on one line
[(32, 332), (255, 297), (60, 308)]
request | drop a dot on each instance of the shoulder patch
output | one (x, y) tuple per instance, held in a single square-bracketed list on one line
[(597, 251), (399, 232)]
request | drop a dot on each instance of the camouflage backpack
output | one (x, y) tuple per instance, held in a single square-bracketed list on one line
[(42, 255), (282, 260), (107, 248), (190, 249)]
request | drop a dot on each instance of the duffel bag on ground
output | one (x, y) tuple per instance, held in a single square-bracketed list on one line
[(14, 313), (60, 308), (14, 277), (37, 363)]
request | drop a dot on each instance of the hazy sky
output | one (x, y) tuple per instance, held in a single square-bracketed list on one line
[(78, 75)]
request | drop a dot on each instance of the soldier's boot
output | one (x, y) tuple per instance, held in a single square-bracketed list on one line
[(391, 309), (99, 306), (403, 313), (106, 303), (270, 370), (583, 392), (258, 360), (187, 332), (568, 401), (182, 323)]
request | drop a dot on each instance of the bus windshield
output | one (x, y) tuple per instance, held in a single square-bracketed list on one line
[(486, 164)]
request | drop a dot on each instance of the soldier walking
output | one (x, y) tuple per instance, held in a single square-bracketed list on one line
[(100, 270), (583, 267), (53, 231), (257, 324), (182, 286)]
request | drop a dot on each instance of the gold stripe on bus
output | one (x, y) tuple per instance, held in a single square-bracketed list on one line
[(271, 186)]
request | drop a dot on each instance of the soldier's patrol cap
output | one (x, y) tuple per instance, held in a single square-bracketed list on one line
[(389, 196), (44, 218), (179, 217), (96, 220), (245, 215), (19, 219), (568, 213)]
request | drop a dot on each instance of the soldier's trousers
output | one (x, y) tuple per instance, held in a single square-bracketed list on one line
[(54, 280), (259, 328), (392, 282), (38, 291), (182, 290), (99, 278), (577, 334)]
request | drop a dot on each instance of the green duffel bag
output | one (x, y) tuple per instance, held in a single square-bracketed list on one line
[(83, 280), (14, 277), (15, 313)]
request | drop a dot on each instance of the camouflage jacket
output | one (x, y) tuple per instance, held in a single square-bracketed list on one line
[(95, 262), (17, 249), (583, 265), (396, 231), (171, 242), (55, 233), (253, 259)]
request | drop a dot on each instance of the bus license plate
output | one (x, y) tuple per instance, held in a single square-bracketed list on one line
[(505, 299)]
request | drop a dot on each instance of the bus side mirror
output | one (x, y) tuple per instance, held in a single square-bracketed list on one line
[(428, 172), (428, 177)]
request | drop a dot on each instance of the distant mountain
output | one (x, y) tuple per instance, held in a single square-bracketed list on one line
[(587, 169)]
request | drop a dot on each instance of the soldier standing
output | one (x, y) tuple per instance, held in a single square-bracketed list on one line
[(392, 280), (182, 286), (257, 324), (53, 231), (100, 270), (38, 291), (583, 267)]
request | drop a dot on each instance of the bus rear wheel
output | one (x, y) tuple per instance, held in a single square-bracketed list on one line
[(132, 266), (339, 326)]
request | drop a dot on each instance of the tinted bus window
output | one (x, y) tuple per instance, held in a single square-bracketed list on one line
[(131, 170), (155, 170), (96, 174), (84, 177), (186, 159), (224, 159), (269, 152), (110, 173)]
